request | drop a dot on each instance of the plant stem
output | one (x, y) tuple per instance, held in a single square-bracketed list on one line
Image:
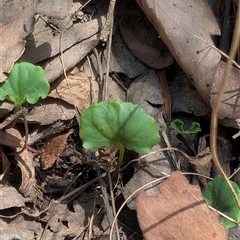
[(120, 159), (216, 106)]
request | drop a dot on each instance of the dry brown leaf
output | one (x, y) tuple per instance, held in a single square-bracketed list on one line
[(186, 27), (178, 212), (5, 163), (146, 54), (51, 110), (17, 22), (10, 140), (5, 107), (71, 57), (20, 228), (202, 163), (54, 149), (10, 197), (166, 107), (26, 164), (146, 92), (64, 223), (78, 90), (68, 38)]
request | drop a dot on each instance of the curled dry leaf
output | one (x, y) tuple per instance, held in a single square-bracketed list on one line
[(17, 22), (187, 28), (178, 212), (26, 164)]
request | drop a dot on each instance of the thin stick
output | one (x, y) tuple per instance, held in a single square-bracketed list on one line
[(112, 200), (108, 209), (216, 106), (109, 26)]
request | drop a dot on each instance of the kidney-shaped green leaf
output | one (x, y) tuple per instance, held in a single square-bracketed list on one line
[(218, 195), (177, 124), (112, 123), (25, 83)]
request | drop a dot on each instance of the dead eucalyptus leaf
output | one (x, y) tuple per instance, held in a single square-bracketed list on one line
[(17, 22), (78, 89), (10, 197), (63, 41), (187, 28), (54, 149), (146, 54), (178, 212)]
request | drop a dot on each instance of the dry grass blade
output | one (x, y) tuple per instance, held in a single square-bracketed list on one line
[(215, 109)]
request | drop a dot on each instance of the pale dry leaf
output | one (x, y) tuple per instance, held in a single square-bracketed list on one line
[(122, 60), (10, 140), (202, 164), (50, 110), (146, 54), (54, 149), (71, 56), (78, 90), (187, 28), (10, 197), (26, 164), (20, 228), (6, 107), (63, 41), (146, 92), (178, 212), (17, 22), (63, 223), (147, 169)]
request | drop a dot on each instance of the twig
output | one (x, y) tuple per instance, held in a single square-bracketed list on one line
[(112, 200), (13, 117), (107, 207), (66, 77), (216, 105), (108, 30)]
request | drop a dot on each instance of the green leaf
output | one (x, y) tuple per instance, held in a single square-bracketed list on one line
[(25, 83), (112, 123), (177, 124), (219, 196)]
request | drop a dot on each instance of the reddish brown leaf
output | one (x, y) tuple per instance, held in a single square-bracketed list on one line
[(166, 107), (178, 212), (54, 149)]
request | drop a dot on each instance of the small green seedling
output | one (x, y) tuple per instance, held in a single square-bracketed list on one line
[(120, 124), (25, 83), (177, 124), (219, 196)]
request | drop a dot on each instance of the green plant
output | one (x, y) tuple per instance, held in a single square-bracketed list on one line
[(120, 124), (219, 196), (25, 83), (177, 124)]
